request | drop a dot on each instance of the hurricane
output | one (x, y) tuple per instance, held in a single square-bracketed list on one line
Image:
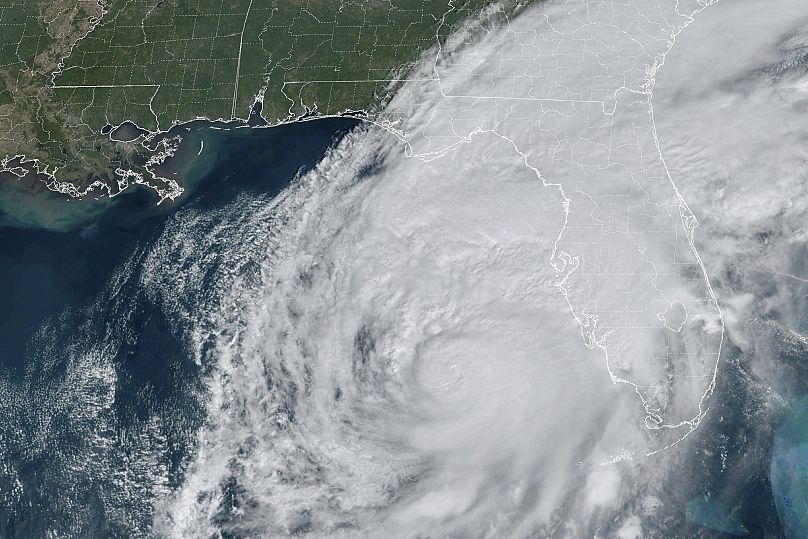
[(387, 359), (391, 350), (499, 309)]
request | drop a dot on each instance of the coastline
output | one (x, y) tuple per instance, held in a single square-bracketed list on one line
[(185, 154), (54, 263)]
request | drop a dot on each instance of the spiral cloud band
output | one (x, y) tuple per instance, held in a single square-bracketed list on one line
[(469, 328), (491, 310)]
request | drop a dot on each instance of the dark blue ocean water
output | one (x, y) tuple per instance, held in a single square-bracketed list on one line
[(44, 272), (69, 444), (100, 401)]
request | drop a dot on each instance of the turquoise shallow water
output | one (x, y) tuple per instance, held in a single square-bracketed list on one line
[(789, 470), (714, 515)]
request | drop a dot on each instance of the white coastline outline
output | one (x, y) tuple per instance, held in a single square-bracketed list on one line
[(563, 271)]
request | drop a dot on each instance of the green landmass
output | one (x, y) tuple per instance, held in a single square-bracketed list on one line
[(70, 67)]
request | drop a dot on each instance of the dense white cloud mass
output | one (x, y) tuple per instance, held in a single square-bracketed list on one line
[(409, 366), (424, 342), (569, 85), (483, 315), (732, 125)]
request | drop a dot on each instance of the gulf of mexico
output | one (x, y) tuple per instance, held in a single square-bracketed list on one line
[(96, 391)]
